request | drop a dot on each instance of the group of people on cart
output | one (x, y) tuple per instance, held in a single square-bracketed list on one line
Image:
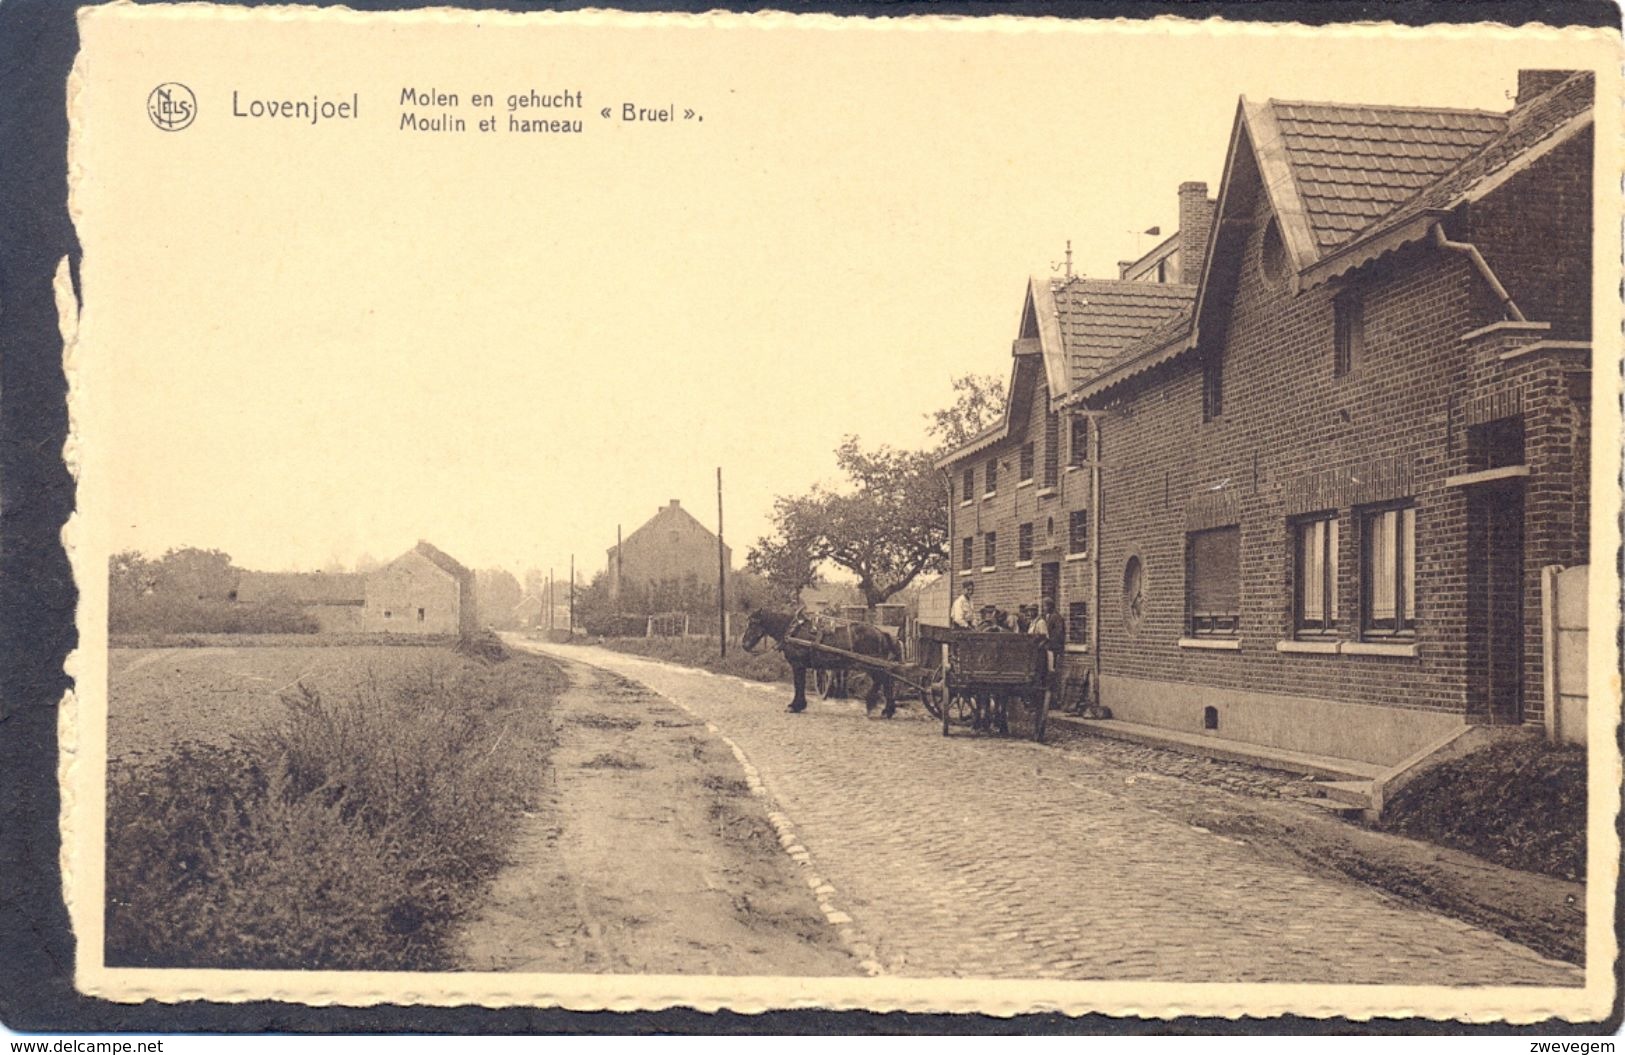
[(1040, 619)]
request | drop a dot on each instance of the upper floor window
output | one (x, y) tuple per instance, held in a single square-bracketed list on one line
[(991, 482), (1213, 581), (990, 549), (1315, 574), (1077, 623), (1052, 449), (1212, 385), (1024, 542), (1079, 439), (967, 486), (1388, 571), (1028, 460), (1077, 535), (1348, 331), (967, 552)]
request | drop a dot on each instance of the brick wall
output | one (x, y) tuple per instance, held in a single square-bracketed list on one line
[(1526, 233), (1014, 504), (1292, 434)]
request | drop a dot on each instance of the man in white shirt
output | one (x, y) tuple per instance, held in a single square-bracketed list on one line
[(963, 614)]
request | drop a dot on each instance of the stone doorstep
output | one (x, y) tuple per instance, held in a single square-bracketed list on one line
[(1261, 755), (1348, 792)]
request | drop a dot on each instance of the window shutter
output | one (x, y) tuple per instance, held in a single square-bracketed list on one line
[(1215, 569)]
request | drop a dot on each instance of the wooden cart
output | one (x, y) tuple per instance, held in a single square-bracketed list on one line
[(985, 680)]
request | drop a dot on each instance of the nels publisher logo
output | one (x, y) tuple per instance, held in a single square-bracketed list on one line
[(172, 106)]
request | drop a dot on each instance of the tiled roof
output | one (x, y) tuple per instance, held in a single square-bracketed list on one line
[(1099, 317), (1528, 126), (1356, 164), (442, 560), (258, 587)]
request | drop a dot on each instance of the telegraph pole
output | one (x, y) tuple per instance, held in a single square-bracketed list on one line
[(572, 597), (722, 575), (550, 598)]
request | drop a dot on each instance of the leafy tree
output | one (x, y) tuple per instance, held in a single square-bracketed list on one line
[(886, 527), (978, 403), (496, 592), (196, 574)]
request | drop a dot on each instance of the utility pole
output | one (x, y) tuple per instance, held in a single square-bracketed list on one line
[(722, 575), (572, 596), (617, 567)]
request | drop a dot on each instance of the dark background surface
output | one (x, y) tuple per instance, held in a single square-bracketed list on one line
[(38, 40)]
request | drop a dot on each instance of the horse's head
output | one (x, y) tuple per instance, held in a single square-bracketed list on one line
[(755, 630)]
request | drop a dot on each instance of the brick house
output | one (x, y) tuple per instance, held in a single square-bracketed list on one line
[(1021, 511), (1330, 484), (423, 591), (670, 556)]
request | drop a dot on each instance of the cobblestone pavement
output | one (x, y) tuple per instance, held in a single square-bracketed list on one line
[(980, 857)]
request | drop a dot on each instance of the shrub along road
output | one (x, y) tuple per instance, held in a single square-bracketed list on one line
[(968, 857)]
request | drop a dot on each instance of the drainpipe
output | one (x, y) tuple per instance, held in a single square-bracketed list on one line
[(948, 483), (1472, 253)]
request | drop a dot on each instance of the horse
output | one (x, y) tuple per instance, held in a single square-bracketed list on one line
[(860, 638)]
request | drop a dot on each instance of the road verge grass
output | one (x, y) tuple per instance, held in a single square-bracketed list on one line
[(351, 834), (768, 666)]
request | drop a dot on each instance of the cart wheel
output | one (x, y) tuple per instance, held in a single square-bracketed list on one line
[(931, 698)]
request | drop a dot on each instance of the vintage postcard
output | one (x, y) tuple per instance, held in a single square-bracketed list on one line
[(631, 511)]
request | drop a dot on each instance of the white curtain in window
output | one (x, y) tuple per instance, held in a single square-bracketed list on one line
[(1384, 536)]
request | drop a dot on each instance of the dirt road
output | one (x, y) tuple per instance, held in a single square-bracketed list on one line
[(649, 854)]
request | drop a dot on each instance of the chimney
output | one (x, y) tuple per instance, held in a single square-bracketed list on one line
[(672, 504), (1195, 224), (1538, 82)]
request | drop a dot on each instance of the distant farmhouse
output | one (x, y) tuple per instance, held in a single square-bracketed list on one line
[(423, 591), (670, 549)]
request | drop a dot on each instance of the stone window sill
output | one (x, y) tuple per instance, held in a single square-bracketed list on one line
[(1024, 564), (1322, 647), (1075, 649), (990, 567), (1224, 644), (1487, 476), (963, 502), (1404, 649), (1024, 483), (1078, 556), (989, 494), (1047, 491)]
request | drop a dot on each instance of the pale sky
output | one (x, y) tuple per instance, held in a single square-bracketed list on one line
[(314, 342)]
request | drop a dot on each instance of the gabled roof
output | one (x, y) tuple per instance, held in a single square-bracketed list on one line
[(1354, 165), (667, 512), (1074, 327), (440, 559), (259, 587), (1545, 122), (1345, 184), (1100, 317)]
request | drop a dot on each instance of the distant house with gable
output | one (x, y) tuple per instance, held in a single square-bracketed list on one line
[(423, 591), (671, 556)]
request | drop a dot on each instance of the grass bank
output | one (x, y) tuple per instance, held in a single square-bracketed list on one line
[(703, 653), (1519, 803), (170, 640), (351, 833)]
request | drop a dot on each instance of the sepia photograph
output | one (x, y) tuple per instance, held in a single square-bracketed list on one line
[(627, 511)]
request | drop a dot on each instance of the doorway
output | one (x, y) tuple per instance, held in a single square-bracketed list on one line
[(1495, 603)]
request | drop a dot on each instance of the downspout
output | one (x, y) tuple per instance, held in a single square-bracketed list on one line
[(1471, 252), (948, 482)]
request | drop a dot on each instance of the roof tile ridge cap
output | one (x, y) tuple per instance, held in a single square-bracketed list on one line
[(1400, 108)]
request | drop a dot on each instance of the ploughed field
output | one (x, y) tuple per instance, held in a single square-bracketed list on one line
[(159, 697)]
